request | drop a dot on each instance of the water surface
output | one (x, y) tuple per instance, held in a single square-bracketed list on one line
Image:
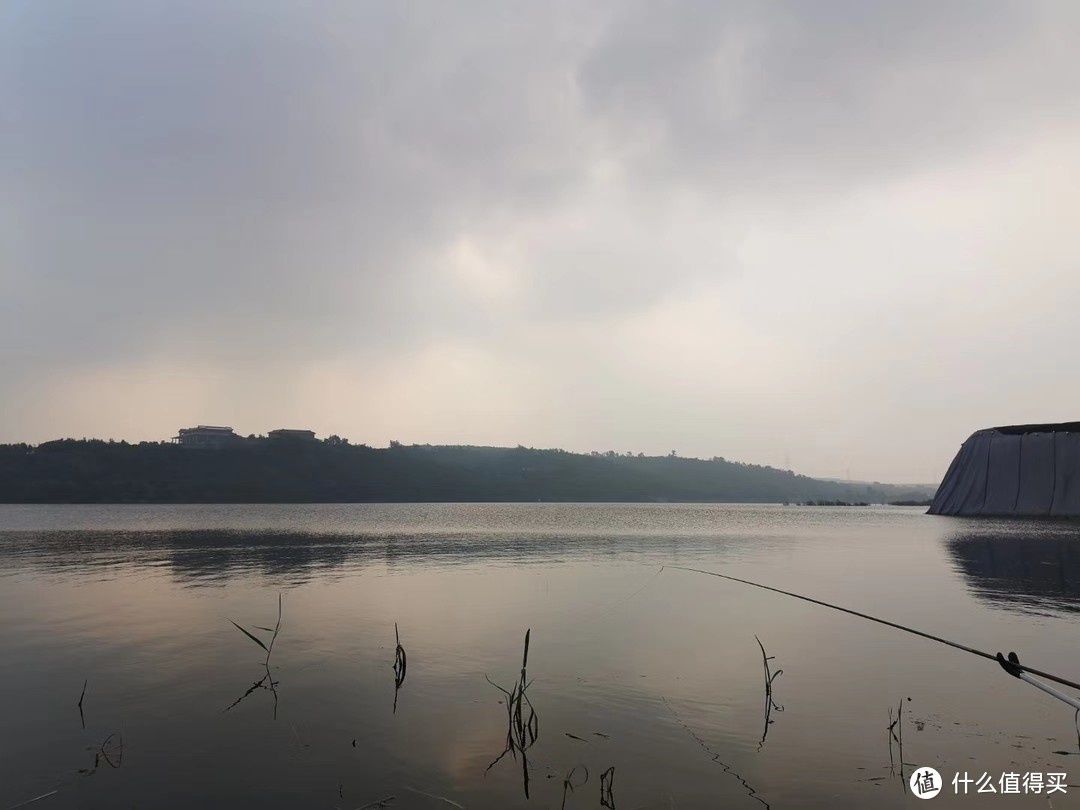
[(657, 675)]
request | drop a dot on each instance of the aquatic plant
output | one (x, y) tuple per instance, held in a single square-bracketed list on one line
[(896, 734), (770, 704), (268, 648), (521, 733), (267, 681), (568, 783), (400, 663), (82, 718), (111, 752), (607, 787)]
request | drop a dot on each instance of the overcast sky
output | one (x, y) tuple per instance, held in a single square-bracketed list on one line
[(836, 235)]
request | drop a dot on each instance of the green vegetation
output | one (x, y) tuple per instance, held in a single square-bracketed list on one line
[(334, 471)]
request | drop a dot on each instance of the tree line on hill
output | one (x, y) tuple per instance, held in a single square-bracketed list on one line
[(335, 471)]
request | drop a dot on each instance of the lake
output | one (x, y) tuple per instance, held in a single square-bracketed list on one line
[(656, 675)]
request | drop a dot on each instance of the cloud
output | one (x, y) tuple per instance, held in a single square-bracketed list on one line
[(610, 224), (797, 99)]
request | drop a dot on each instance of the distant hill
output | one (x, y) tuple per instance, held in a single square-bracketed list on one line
[(333, 471)]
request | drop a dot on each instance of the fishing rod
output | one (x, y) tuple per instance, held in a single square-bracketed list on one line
[(1013, 667), (1011, 664)]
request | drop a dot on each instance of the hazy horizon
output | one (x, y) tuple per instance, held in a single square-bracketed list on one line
[(833, 238)]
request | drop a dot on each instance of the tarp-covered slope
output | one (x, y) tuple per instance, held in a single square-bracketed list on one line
[(1028, 470)]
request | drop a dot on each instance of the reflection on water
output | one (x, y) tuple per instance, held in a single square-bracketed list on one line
[(212, 557), (1037, 569), (656, 677)]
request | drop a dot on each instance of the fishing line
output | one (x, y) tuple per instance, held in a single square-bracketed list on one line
[(1011, 664), (628, 597)]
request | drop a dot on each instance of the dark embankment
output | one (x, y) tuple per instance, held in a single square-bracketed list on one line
[(268, 471)]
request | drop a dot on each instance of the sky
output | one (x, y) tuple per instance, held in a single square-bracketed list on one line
[(836, 237)]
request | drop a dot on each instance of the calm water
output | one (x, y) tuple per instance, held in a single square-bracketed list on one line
[(657, 675)]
